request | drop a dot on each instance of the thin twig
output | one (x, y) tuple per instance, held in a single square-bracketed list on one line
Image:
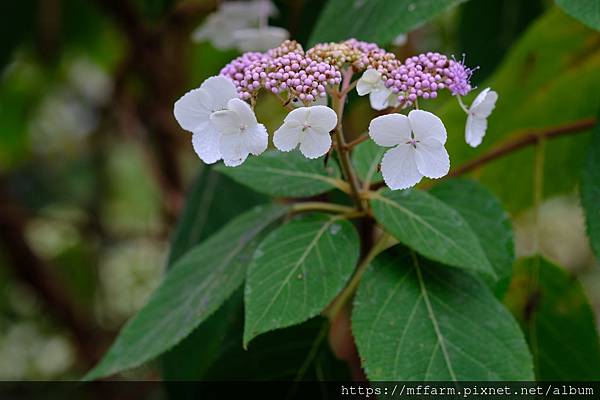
[(357, 141), (321, 206), (338, 105), (340, 302), (523, 141)]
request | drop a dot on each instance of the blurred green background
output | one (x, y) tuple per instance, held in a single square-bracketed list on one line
[(94, 169)]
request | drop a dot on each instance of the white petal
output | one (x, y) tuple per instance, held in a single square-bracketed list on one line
[(206, 143), (191, 109), (382, 97), (297, 116), (260, 39), (227, 122), (484, 103), (249, 11), (475, 130), (244, 111), (287, 137), (220, 90), (399, 168), (257, 139), (235, 162), (390, 130), (432, 158), (427, 125), (321, 118), (368, 82), (314, 144), (233, 148)]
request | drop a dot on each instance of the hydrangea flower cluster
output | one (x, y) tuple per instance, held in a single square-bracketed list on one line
[(421, 76), (285, 68), (224, 125)]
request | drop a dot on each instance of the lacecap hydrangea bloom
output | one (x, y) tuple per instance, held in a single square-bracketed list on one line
[(221, 118)]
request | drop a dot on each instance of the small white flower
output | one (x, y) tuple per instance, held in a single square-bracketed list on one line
[(220, 26), (259, 39), (380, 97), (218, 30), (193, 111), (419, 147), (241, 134), (478, 113), (309, 127), (251, 11)]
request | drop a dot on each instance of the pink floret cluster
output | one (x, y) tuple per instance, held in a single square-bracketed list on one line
[(286, 68), (423, 75), (247, 72), (304, 77), (289, 68)]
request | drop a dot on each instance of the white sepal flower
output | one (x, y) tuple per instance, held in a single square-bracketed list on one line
[(418, 147), (478, 113), (260, 39), (193, 111), (309, 127), (380, 97), (241, 134), (231, 16)]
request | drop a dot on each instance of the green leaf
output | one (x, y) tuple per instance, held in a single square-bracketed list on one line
[(300, 352), (212, 201), (416, 320), (586, 11), (377, 21), (484, 214), (549, 78), (557, 319), (366, 158), (430, 227), (194, 356), (590, 192), (297, 270), (285, 174), (194, 288)]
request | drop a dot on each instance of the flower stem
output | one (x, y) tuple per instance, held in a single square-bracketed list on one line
[(384, 242), (321, 206), (338, 102), (357, 141)]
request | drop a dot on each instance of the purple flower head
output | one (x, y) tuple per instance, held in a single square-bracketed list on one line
[(421, 76), (286, 47), (247, 72), (303, 77), (458, 77)]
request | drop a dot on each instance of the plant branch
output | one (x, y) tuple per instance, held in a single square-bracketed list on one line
[(522, 141), (362, 138), (384, 242), (322, 206), (519, 143), (338, 102)]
